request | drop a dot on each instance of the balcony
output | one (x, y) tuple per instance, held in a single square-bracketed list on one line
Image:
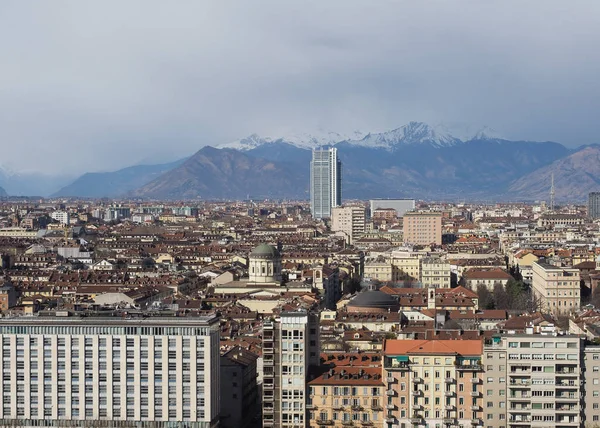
[(390, 393), (476, 408), (522, 420), (268, 363), (449, 380), (390, 406), (417, 380), (475, 393), (416, 393), (417, 407), (469, 367), (399, 367), (449, 393), (338, 407), (324, 422), (390, 379), (475, 380), (268, 386), (347, 423), (357, 408), (268, 422), (366, 423), (376, 408), (390, 420), (476, 422), (414, 420), (449, 407), (268, 410), (268, 350)]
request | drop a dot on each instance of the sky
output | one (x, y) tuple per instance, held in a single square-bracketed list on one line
[(99, 85)]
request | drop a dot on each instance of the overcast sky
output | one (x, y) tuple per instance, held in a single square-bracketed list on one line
[(98, 85)]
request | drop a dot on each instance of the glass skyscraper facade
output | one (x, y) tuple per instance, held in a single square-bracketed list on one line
[(325, 182)]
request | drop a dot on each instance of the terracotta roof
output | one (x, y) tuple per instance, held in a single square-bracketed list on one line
[(487, 274), (433, 347)]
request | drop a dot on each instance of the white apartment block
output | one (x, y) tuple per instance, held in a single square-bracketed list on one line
[(110, 372), (290, 348), (435, 271), (533, 381), (351, 221), (63, 217), (556, 287)]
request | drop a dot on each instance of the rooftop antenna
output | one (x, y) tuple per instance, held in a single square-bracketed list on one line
[(552, 193)]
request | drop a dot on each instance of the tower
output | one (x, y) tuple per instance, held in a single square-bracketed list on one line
[(325, 182), (552, 193)]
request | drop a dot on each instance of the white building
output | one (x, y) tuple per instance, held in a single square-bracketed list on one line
[(63, 217), (110, 372), (348, 220)]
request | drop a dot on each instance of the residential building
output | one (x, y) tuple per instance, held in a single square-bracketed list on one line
[(63, 217), (110, 371), (406, 264), (240, 404), (349, 220), (347, 395), (433, 382), (556, 287), (532, 380), (591, 385), (487, 277), (423, 228), (435, 271), (325, 182), (378, 270), (290, 349)]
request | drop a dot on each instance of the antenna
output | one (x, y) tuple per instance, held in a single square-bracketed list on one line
[(552, 193)]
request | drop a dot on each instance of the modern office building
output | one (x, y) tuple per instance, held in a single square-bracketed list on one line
[(556, 287), (435, 383), (533, 380), (290, 349), (109, 371), (423, 228), (594, 205), (325, 182), (401, 206), (348, 220)]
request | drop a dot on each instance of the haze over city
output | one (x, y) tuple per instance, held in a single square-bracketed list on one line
[(95, 86)]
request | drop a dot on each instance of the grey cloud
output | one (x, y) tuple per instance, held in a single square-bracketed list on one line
[(100, 85)]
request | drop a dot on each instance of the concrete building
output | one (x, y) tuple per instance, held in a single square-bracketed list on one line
[(63, 217), (556, 287), (433, 383), (423, 228), (351, 221), (487, 277), (240, 404), (435, 271), (406, 264), (591, 385), (401, 206), (325, 182), (532, 380), (110, 371), (290, 349), (593, 205)]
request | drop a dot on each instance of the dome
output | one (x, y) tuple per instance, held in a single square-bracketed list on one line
[(264, 251), (373, 299)]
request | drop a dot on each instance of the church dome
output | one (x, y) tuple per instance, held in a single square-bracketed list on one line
[(265, 251)]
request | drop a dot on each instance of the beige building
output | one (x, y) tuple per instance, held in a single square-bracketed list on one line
[(532, 380), (406, 264), (378, 270), (433, 383), (556, 287), (351, 221), (435, 271), (423, 228)]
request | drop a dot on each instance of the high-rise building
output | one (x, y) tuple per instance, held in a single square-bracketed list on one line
[(153, 372), (423, 228), (594, 205), (290, 348), (325, 182), (348, 220)]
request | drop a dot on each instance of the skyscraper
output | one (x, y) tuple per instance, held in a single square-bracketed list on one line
[(325, 182), (594, 205)]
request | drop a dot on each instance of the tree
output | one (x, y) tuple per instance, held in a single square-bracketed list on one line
[(486, 300), (501, 297)]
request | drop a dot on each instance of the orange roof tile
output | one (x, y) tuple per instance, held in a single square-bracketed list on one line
[(433, 347)]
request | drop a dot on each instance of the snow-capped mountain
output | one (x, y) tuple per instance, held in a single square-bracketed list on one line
[(412, 133), (299, 139)]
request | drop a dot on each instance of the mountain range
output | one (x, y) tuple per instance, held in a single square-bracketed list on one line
[(415, 160), (3, 193)]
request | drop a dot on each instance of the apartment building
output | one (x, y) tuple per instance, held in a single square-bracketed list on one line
[(423, 228), (556, 287), (63, 217), (533, 380), (406, 264), (435, 271), (590, 365), (433, 383), (154, 372), (290, 349), (344, 396), (239, 389), (351, 221)]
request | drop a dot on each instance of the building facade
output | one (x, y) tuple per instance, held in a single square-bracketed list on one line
[(593, 206), (533, 380), (264, 265), (423, 228), (556, 287), (110, 372), (433, 383), (290, 349), (351, 221), (435, 271), (325, 182), (239, 389)]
